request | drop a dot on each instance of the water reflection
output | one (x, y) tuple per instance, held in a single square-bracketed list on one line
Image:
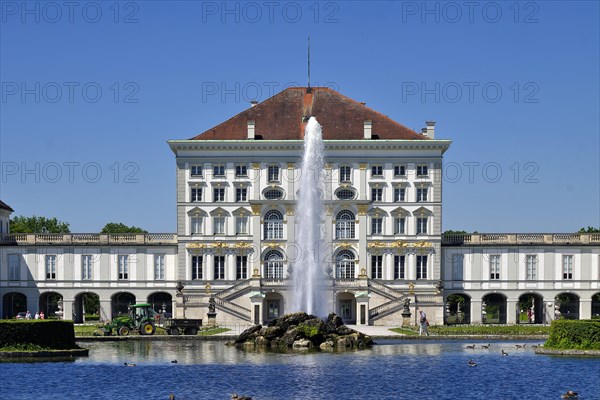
[(390, 370)]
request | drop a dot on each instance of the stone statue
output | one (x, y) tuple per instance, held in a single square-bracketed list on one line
[(179, 287), (211, 305), (406, 305), (439, 287)]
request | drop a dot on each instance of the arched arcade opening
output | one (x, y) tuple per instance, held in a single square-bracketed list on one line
[(493, 309), (51, 303), (458, 309), (13, 303), (530, 309), (120, 303)]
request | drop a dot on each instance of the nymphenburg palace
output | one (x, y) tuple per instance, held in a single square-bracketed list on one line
[(237, 188)]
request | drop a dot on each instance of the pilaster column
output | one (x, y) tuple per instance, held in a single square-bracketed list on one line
[(476, 311)]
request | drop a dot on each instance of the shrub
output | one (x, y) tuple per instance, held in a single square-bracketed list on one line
[(47, 334), (574, 334), (516, 330)]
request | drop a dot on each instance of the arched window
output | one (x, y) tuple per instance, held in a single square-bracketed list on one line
[(273, 265), (344, 265), (273, 225), (344, 225)]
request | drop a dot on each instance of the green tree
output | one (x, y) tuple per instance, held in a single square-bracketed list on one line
[(118, 227), (589, 229), (451, 232), (22, 224)]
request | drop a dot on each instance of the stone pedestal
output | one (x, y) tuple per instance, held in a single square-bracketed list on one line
[(406, 318), (212, 319)]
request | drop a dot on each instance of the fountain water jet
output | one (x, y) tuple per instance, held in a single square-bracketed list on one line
[(309, 295)]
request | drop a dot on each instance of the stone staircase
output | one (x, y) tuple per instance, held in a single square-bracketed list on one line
[(395, 303), (223, 300)]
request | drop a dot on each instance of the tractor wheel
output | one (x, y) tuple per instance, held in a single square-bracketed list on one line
[(147, 329), (123, 331), (174, 331), (190, 331)]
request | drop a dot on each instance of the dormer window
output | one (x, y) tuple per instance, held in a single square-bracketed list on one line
[(345, 173), (219, 170), (241, 170), (273, 173), (196, 170), (399, 170), (377, 171)]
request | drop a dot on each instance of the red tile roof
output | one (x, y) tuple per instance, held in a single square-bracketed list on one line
[(281, 118)]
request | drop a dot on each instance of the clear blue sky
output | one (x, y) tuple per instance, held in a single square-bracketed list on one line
[(95, 88)]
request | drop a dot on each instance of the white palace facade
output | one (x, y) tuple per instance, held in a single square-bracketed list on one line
[(237, 188)]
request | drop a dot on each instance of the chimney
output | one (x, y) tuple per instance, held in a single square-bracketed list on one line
[(368, 125), (430, 130), (253, 103), (250, 129)]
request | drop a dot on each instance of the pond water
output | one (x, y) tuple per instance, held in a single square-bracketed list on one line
[(391, 370)]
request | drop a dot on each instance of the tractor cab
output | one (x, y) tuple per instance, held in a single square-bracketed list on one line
[(142, 311)]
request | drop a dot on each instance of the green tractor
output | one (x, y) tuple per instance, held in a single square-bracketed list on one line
[(141, 318)]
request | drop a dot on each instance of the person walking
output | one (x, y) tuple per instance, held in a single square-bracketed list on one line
[(423, 323)]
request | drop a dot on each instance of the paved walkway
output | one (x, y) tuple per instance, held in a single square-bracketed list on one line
[(375, 331)]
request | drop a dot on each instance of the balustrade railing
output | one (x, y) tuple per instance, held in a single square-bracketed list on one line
[(86, 238), (455, 239)]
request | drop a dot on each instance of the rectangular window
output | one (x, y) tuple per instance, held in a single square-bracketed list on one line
[(241, 194), (399, 267), (273, 173), (197, 267), (219, 194), (376, 226), (494, 267), (195, 225), (159, 267), (422, 170), (377, 171), (51, 267), (345, 173), (241, 225), (123, 262), (399, 194), (241, 270), (421, 267), (399, 170), (219, 225), (241, 170), (531, 262), (567, 262), (196, 170), (399, 226), (421, 225), (196, 194), (86, 267), (422, 194), (376, 266), (14, 267), (457, 267), (219, 170), (219, 267), (377, 194)]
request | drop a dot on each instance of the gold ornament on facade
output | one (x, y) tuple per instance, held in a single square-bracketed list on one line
[(377, 245), (290, 166), (255, 209), (362, 166), (290, 210), (195, 245), (411, 288), (256, 165), (362, 210), (242, 245), (207, 288)]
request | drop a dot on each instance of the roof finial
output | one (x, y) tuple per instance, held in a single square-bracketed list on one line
[(308, 87)]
